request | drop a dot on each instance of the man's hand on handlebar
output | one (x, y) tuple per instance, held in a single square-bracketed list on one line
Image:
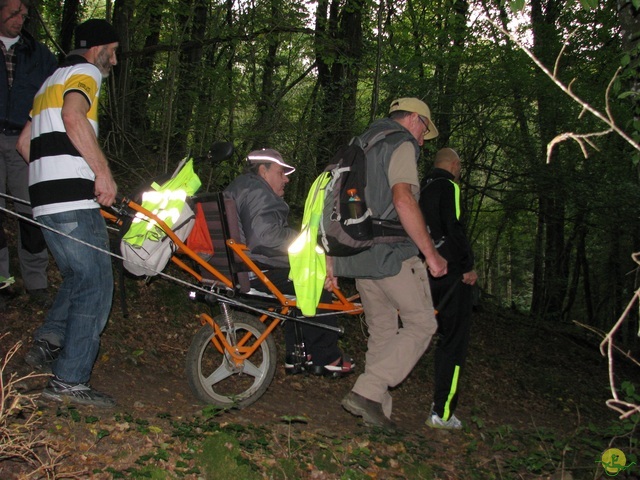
[(105, 190)]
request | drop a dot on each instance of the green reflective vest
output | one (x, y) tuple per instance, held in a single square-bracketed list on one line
[(166, 201), (306, 257)]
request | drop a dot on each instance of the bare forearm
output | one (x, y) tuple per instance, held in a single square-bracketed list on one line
[(84, 139), (23, 146), (413, 223)]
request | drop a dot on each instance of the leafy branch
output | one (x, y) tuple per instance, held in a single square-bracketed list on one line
[(607, 118)]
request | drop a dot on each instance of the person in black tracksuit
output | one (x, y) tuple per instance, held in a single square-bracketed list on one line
[(452, 293)]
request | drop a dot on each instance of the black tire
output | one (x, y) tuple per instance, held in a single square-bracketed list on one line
[(231, 387)]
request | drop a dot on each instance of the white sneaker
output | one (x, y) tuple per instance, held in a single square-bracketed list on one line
[(434, 421)]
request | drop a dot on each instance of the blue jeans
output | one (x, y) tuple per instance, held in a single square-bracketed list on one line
[(81, 308)]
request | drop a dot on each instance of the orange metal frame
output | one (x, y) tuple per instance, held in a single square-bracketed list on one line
[(240, 351)]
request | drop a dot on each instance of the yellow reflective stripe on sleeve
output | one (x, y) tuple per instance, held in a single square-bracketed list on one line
[(456, 189)]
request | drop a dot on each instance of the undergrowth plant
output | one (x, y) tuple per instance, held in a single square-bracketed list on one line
[(21, 437), (624, 432)]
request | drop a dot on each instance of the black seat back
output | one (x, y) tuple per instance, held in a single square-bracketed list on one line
[(223, 224)]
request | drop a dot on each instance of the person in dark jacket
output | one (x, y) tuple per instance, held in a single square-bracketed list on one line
[(263, 216), (25, 64), (452, 293)]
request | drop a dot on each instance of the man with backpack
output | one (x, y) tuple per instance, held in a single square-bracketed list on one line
[(391, 278)]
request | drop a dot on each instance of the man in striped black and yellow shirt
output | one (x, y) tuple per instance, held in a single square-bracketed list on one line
[(69, 178)]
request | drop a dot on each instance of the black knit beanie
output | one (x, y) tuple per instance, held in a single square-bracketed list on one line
[(93, 33)]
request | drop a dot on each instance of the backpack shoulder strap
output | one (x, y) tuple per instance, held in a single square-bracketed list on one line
[(430, 181), (375, 139), (381, 135)]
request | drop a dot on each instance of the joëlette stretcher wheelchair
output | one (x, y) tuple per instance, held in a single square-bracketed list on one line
[(232, 358)]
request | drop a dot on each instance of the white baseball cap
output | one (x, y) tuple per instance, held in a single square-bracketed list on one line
[(269, 155)]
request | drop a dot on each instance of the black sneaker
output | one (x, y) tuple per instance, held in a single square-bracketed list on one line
[(78, 393), (42, 355), (8, 292), (293, 365), (40, 297)]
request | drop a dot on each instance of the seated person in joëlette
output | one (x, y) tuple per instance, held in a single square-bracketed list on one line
[(263, 214)]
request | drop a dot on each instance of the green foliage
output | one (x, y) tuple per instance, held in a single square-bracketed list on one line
[(211, 411), (325, 460), (148, 471), (294, 419), (220, 458), (350, 474), (422, 471), (629, 425), (517, 5), (70, 412), (276, 74), (286, 468), (589, 4)]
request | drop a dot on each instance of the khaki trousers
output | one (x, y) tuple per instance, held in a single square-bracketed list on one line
[(401, 322)]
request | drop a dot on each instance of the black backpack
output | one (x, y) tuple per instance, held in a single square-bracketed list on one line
[(347, 226)]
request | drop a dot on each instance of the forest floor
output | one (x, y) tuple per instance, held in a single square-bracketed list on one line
[(532, 401)]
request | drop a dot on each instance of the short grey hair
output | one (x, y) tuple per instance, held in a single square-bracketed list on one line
[(399, 114), (255, 167)]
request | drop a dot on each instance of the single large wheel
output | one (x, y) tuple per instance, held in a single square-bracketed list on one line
[(214, 377)]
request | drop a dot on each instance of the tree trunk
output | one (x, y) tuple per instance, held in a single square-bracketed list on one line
[(583, 262), (137, 119), (629, 20), (338, 44), (574, 271), (266, 104), (70, 17), (122, 16), (189, 76), (451, 42), (33, 24), (551, 283)]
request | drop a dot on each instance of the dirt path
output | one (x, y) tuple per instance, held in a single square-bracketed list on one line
[(530, 378)]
